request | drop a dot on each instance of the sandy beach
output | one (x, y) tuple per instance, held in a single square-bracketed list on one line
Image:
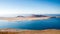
[(13, 31), (22, 18)]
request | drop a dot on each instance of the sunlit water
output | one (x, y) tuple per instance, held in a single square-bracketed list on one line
[(52, 23)]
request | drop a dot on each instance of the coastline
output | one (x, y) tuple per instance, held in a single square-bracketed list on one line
[(14, 31)]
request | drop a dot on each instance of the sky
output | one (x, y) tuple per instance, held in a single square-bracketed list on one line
[(17, 7)]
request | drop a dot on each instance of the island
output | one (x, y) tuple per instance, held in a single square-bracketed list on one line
[(31, 17), (20, 18)]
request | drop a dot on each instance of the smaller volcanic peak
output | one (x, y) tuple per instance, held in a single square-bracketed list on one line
[(20, 16), (39, 16)]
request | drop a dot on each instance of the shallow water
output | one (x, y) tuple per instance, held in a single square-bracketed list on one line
[(52, 23)]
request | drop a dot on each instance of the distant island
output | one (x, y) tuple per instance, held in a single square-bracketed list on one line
[(31, 17)]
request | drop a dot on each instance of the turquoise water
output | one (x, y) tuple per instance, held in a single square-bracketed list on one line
[(52, 23)]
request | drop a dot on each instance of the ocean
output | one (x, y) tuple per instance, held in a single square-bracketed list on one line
[(52, 23)]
